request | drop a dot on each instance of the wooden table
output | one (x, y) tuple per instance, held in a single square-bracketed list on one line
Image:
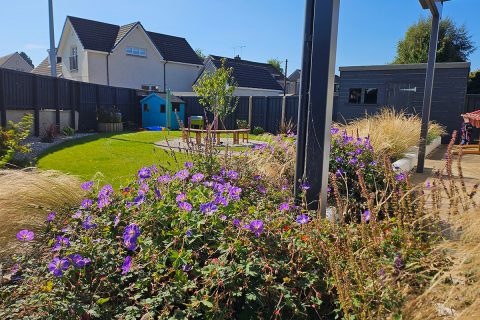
[(217, 133)]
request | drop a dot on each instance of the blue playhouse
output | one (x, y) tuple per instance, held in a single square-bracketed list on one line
[(155, 112)]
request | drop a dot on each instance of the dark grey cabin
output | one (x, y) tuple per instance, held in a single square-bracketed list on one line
[(367, 89)]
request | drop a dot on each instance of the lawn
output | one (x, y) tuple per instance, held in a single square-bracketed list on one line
[(111, 157)]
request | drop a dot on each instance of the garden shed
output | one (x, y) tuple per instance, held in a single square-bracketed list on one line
[(155, 113)]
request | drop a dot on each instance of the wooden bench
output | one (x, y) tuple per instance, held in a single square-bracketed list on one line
[(217, 133)]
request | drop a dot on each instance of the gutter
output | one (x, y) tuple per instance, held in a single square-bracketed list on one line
[(165, 76), (108, 69)]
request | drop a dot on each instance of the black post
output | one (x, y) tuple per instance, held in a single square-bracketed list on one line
[(285, 78), (321, 77), (427, 97), (56, 101), (3, 110), (72, 102), (36, 107)]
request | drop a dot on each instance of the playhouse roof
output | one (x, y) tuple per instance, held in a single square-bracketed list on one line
[(163, 96)]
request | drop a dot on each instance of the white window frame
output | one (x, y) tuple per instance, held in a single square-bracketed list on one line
[(137, 52)]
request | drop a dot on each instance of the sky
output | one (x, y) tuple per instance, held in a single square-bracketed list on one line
[(368, 29)]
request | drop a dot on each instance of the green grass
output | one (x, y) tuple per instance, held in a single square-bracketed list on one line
[(113, 157)]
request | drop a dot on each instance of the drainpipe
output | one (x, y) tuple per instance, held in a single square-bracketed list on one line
[(165, 76), (108, 69)]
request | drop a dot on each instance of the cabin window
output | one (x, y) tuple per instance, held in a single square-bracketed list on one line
[(176, 107), (162, 108), (139, 52), (145, 108), (355, 96), (370, 96)]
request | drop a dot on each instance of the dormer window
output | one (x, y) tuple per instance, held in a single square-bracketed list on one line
[(139, 52), (73, 59)]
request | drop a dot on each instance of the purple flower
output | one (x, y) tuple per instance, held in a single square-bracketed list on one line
[(218, 178), (164, 179), (130, 244), (302, 219), (334, 130), (305, 186), (57, 266), (87, 186), (401, 177), (208, 208), (77, 215), (262, 189), (232, 175), (132, 232), (284, 207), (157, 193), (185, 206), (144, 173), (234, 192), (339, 159), (398, 262), (427, 184), (188, 165), (127, 264), (143, 189), (223, 217), (61, 242), (181, 197), (25, 235), (106, 190), (189, 233), (116, 221), (182, 175), (86, 203), (257, 177), (366, 216), (256, 226), (373, 163), (103, 201), (219, 199), (197, 177), (353, 161), (51, 216), (186, 267), (78, 261), (358, 151), (236, 223), (339, 172), (88, 224)]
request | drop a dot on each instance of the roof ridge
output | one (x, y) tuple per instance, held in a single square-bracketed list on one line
[(111, 24)]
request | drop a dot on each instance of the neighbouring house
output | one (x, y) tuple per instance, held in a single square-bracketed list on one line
[(126, 56), (14, 61), (367, 89), (44, 68), (293, 86), (252, 78)]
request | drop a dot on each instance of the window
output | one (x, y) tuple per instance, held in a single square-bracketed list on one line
[(355, 96), (176, 107), (370, 96), (162, 108), (73, 59), (145, 108), (139, 52)]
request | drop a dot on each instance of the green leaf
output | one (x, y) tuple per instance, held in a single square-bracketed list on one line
[(207, 303), (102, 301)]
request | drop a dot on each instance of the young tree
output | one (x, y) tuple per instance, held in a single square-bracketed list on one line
[(27, 58), (454, 43), (277, 64), (216, 92), (200, 54)]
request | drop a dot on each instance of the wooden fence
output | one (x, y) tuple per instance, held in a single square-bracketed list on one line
[(31, 92)]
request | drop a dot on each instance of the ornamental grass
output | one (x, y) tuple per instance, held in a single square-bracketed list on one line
[(391, 132)]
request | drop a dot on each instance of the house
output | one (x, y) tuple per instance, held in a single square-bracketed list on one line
[(44, 68), (293, 82), (367, 89), (252, 78), (126, 56), (15, 61)]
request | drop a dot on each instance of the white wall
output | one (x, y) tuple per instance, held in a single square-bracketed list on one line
[(97, 67), (16, 62), (47, 118), (180, 77), (69, 40)]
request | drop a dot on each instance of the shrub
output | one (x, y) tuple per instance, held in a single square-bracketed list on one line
[(11, 139), (391, 132), (242, 124), (68, 131), (50, 132), (287, 127), (109, 115), (258, 131)]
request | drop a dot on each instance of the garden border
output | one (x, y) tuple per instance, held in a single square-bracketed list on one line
[(408, 162)]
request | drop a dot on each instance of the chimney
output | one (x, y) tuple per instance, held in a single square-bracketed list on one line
[(237, 57)]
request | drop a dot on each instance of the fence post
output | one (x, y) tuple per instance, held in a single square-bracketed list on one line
[(55, 99), (78, 102), (72, 104), (36, 107), (284, 106), (250, 111), (3, 111)]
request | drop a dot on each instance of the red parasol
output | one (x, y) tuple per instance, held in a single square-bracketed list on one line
[(474, 118)]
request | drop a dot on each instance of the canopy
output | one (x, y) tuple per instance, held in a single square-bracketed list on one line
[(474, 118)]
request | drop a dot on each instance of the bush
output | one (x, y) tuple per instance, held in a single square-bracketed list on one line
[(50, 132), (242, 124), (11, 139), (258, 131), (109, 115), (68, 131)]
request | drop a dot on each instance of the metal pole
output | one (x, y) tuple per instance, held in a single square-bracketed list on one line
[(303, 99), (427, 97), (285, 78), (53, 50)]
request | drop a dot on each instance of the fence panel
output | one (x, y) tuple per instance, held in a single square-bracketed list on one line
[(274, 114), (291, 109), (88, 107), (46, 92), (259, 112), (18, 89), (241, 112), (65, 94), (472, 103)]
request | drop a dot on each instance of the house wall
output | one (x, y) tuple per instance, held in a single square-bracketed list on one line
[(69, 40), (97, 67), (180, 77), (253, 92), (448, 100), (16, 62)]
